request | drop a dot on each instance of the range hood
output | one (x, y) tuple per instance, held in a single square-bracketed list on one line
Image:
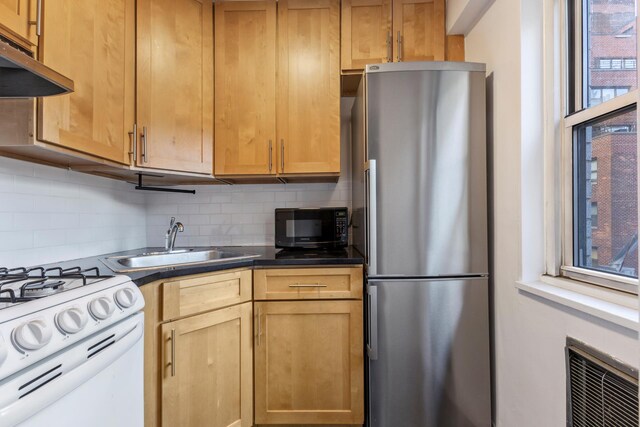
[(21, 76)]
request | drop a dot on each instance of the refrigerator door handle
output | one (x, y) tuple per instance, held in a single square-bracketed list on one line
[(372, 217), (372, 345)]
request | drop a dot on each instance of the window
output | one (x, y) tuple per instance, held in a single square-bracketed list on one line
[(593, 215), (606, 55), (605, 64), (598, 95), (616, 63), (601, 218)]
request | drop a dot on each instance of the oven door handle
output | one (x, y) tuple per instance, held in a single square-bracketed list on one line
[(16, 408)]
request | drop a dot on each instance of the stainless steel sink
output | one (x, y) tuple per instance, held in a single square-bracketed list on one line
[(176, 258)]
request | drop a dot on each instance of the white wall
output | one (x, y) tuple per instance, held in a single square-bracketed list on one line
[(530, 333), (244, 214), (50, 214)]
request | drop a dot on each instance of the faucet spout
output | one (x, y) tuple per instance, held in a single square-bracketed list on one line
[(170, 237)]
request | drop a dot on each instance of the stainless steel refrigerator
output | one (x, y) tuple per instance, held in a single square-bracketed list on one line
[(420, 219)]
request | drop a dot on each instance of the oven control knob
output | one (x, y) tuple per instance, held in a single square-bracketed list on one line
[(125, 297), (101, 308), (32, 335), (71, 320)]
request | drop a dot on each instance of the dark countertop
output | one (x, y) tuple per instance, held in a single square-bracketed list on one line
[(269, 256)]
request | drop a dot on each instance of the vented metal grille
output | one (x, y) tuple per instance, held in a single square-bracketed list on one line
[(600, 394)]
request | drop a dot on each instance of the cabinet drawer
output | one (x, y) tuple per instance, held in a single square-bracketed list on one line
[(197, 294), (308, 283)]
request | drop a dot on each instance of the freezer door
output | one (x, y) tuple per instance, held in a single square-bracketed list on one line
[(425, 130), (429, 360)]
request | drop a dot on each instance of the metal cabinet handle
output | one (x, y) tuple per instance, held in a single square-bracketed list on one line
[(372, 345), (389, 43), (38, 21), (282, 155), (144, 144), (270, 155), (308, 285), (399, 40), (173, 352), (134, 144), (259, 325)]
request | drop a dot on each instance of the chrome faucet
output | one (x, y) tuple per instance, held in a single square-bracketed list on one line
[(172, 232)]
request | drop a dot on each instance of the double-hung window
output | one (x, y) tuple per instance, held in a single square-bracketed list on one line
[(600, 178)]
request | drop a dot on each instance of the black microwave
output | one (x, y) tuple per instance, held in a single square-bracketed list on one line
[(317, 228)]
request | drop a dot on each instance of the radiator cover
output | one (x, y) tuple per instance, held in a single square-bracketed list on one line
[(601, 390)]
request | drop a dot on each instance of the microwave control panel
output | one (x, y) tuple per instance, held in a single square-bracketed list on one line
[(341, 225)]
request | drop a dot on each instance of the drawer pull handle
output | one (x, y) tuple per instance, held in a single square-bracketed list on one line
[(308, 285)]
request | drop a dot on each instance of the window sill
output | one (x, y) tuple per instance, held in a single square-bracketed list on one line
[(610, 305)]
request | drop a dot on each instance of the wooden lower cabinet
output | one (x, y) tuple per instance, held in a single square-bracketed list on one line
[(207, 369), (215, 358), (309, 362)]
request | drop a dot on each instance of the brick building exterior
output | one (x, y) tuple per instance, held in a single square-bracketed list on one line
[(612, 217)]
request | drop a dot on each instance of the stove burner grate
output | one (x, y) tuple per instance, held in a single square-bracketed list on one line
[(40, 282)]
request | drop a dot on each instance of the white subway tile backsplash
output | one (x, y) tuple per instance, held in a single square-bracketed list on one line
[(239, 214), (210, 208), (12, 240), (188, 209), (286, 196), (50, 214), (220, 219)]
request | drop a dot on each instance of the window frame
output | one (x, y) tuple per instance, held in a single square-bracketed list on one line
[(573, 84)]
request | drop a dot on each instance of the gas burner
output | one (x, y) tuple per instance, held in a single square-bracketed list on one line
[(22, 284), (40, 288)]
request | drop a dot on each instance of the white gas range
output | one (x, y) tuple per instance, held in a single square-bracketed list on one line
[(71, 348)]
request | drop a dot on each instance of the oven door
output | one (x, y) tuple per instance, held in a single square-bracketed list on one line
[(97, 382), (307, 228)]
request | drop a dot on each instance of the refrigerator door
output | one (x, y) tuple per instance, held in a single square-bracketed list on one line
[(428, 345), (425, 132)]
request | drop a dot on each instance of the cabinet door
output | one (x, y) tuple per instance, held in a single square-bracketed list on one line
[(308, 86), (245, 87), (175, 84), (366, 33), (207, 369), (309, 362), (93, 43), (17, 20), (419, 30)]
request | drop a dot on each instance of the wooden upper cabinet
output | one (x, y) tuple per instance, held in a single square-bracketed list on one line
[(419, 30), (175, 84), (207, 369), (18, 20), (309, 362), (245, 87), (366, 33), (308, 86), (93, 43)]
